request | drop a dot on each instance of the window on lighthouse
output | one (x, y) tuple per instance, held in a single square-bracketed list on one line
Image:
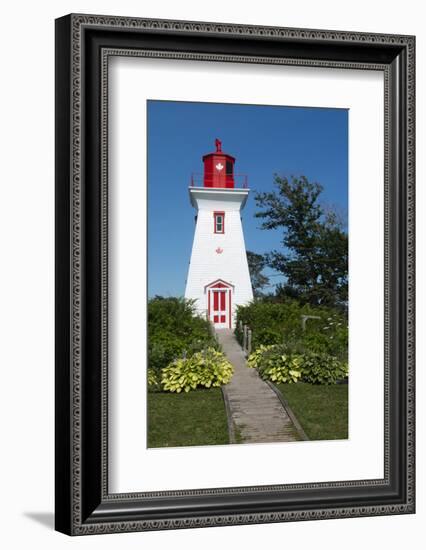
[(219, 222)]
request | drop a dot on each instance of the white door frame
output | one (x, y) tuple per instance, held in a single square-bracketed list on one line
[(221, 316)]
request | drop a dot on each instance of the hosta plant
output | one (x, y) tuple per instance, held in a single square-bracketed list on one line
[(277, 364), (255, 358), (283, 364), (207, 368), (321, 368), (153, 380)]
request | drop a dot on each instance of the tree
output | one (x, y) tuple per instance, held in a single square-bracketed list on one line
[(256, 263), (314, 258)]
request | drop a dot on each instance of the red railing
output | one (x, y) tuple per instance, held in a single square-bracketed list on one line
[(240, 181)]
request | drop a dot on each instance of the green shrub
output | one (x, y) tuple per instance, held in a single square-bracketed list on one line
[(175, 330), (267, 337), (320, 368), (281, 363), (255, 358), (281, 323), (330, 336), (277, 364), (153, 380), (208, 368), (163, 348)]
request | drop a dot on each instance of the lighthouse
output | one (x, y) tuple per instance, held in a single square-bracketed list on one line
[(218, 276)]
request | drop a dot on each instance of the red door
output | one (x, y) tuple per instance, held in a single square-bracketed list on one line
[(219, 307), (219, 297)]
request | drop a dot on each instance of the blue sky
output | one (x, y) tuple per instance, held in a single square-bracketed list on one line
[(265, 140)]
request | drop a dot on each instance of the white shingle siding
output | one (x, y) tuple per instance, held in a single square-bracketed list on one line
[(206, 264)]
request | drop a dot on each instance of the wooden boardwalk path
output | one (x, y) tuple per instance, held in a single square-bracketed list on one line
[(256, 412)]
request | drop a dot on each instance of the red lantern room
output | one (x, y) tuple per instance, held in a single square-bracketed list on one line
[(218, 168)]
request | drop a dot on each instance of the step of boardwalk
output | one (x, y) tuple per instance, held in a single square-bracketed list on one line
[(256, 412)]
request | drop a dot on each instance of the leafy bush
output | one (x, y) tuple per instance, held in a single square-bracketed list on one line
[(175, 330), (163, 348), (153, 380), (207, 368), (281, 363), (320, 368), (267, 336), (255, 358), (277, 364), (331, 336), (281, 323)]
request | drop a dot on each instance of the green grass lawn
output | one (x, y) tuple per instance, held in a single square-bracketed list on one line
[(321, 410), (180, 419)]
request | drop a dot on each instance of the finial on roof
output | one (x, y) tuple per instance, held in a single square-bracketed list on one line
[(218, 144)]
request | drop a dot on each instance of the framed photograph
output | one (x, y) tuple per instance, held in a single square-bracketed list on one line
[(234, 274)]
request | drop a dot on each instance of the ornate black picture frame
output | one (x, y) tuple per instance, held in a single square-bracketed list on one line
[(83, 45)]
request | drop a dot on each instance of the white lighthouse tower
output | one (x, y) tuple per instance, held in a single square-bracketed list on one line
[(218, 275)]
